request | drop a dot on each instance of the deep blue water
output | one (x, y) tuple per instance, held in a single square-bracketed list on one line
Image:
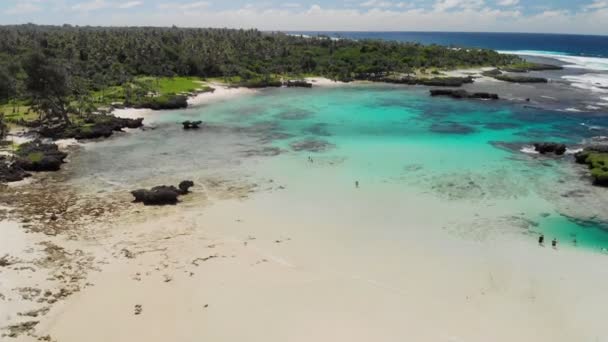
[(576, 45)]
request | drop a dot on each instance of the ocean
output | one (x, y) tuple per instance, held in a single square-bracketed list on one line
[(558, 44)]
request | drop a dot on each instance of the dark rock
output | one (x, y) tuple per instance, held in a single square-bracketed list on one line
[(10, 172), (36, 156), (185, 186), (298, 84), (491, 73), (262, 84), (93, 127), (463, 94), (433, 82), (520, 79), (192, 124), (544, 148), (445, 81), (162, 195)]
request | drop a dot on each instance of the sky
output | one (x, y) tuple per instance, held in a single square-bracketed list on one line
[(547, 16)]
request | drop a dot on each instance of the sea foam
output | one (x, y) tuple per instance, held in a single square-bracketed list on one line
[(594, 82), (591, 63)]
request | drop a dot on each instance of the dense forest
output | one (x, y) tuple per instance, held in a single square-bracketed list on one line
[(53, 67)]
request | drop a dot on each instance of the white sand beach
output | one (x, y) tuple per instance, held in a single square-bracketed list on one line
[(290, 265)]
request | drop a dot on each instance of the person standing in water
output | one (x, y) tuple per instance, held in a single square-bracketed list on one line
[(541, 240), (554, 243), (357, 184)]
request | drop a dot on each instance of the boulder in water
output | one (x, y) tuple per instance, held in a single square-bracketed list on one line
[(192, 124), (463, 94), (544, 148)]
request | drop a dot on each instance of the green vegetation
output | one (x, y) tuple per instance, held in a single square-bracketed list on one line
[(35, 157), (529, 66), (598, 164), (56, 74)]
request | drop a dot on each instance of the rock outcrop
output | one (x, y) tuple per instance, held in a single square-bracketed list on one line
[(298, 84), (520, 79), (596, 158), (432, 82), (92, 127), (192, 124), (463, 94), (37, 156), (550, 147), (10, 172), (162, 195)]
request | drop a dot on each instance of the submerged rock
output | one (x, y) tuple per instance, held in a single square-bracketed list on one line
[(463, 94), (162, 195), (192, 124), (544, 148), (37, 156), (451, 128), (311, 145)]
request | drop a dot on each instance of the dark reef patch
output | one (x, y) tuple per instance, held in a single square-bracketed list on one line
[(295, 114), (311, 145), (451, 128), (318, 129), (499, 126)]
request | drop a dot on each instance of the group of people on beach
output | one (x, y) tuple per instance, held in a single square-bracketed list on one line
[(541, 241)]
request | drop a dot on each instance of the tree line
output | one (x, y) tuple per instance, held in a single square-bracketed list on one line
[(48, 64)]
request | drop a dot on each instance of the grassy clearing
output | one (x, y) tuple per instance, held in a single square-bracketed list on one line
[(141, 87), (14, 113)]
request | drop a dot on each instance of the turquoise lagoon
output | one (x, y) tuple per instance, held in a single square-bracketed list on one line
[(395, 138)]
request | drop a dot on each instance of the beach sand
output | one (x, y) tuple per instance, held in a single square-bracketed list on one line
[(293, 265), (221, 93)]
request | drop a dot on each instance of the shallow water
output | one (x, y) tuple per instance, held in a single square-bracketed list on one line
[(393, 140)]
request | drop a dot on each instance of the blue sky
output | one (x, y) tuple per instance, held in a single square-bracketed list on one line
[(563, 16)]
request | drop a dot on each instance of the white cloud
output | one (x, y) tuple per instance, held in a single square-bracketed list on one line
[(95, 5), (506, 3), (291, 5), (130, 4), (597, 4), (91, 5), (188, 6), (444, 5), (24, 6), (377, 3), (383, 4)]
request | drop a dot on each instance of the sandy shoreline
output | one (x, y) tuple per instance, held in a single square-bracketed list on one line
[(191, 270), (221, 93)]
